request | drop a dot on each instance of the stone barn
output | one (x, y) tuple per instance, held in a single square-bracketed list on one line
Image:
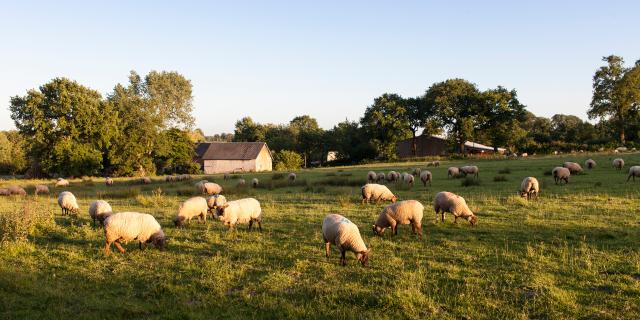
[(223, 157)]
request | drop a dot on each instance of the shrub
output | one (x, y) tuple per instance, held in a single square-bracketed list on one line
[(505, 171), (468, 181), (17, 224), (156, 199), (499, 178), (287, 160)]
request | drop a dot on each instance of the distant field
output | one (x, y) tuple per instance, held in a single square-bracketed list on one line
[(572, 253)]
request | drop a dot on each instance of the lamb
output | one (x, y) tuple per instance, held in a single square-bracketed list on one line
[(255, 182), (68, 203), (573, 167), (560, 174), (100, 210), (408, 179), (210, 188), (634, 172), (240, 211), (193, 207), (473, 170), (380, 177), (41, 189), (618, 163), (241, 182), (62, 183), (127, 226), (377, 192), (454, 204), (5, 192), (453, 172), (529, 187), (425, 177), (590, 164), (17, 191), (108, 181), (145, 180), (345, 235), (403, 212), (292, 177), (371, 177)]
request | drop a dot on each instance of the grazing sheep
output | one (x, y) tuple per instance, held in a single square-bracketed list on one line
[(62, 183), (529, 187), (473, 170), (192, 207), (100, 210), (634, 172), (127, 226), (5, 192), (145, 180), (371, 177), (200, 185), (241, 182), (454, 204), (210, 188), (292, 177), (255, 182), (380, 178), (573, 167), (41, 189), (416, 172), (453, 172), (436, 163), (425, 177), (377, 192), (391, 176), (345, 235), (226, 177), (67, 202), (184, 177), (215, 201), (17, 191), (403, 176), (403, 212), (240, 211), (108, 181), (560, 174), (590, 164), (408, 179), (618, 163)]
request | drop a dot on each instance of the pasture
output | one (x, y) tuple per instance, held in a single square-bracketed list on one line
[(571, 253)]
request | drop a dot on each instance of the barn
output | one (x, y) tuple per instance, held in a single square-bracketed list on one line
[(223, 157), (434, 145)]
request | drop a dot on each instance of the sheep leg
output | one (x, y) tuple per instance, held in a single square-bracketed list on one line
[(250, 224), (107, 248), (120, 248), (442, 214), (455, 219), (419, 227), (260, 225), (143, 246), (343, 259), (327, 246)]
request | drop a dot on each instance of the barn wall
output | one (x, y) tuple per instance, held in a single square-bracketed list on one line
[(222, 166), (263, 161)]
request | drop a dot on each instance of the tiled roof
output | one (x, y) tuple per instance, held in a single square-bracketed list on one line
[(229, 150)]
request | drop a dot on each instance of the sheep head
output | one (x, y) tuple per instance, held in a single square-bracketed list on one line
[(377, 230), (364, 256), (473, 220), (178, 221)]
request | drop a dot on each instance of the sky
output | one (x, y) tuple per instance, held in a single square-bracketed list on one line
[(274, 60)]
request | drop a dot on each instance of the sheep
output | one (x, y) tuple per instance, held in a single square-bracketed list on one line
[(226, 176), (170, 178), (183, 177), (200, 185), (416, 172), (292, 177), (41, 189), (560, 174), (449, 202), (573, 167), (377, 192), (408, 179), (215, 201), (453, 172), (192, 207), (436, 163), (241, 182), (68, 203), (145, 180), (17, 191), (5, 192), (62, 183), (240, 211), (590, 164), (345, 235), (391, 176), (127, 226), (380, 177), (425, 177), (255, 182), (210, 188), (403, 212), (99, 210), (618, 163), (529, 187), (634, 172), (108, 181), (371, 177), (470, 170)]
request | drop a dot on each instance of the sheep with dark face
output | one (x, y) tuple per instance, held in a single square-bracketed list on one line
[(454, 204), (590, 164), (453, 172), (529, 188), (345, 235), (561, 174), (426, 176), (100, 210), (403, 212), (17, 191), (41, 189), (371, 177), (127, 226), (470, 170), (634, 172), (68, 203), (372, 191), (573, 167), (108, 181), (240, 211), (618, 163), (380, 178), (192, 207)]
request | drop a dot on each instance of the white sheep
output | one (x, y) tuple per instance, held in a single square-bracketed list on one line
[(391, 176), (529, 187), (200, 185), (416, 172), (380, 177), (426, 176), (5, 192), (211, 188), (453, 172), (573, 167), (561, 174), (255, 182), (618, 163), (454, 204), (41, 189), (145, 180), (99, 210), (192, 207), (378, 192), (17, 191), (215, 201), (62, 183), (68, 203), (241, 182), (371, 177), (634, 172), (108, 181), (403, 212), (590, 164), (345, 235), (436, 163), (408, 179), (240, 211), (226, 176), (127, 226), (473, 170), (292, 177)]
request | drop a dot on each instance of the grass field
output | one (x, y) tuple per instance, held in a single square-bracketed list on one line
[(573, 253)]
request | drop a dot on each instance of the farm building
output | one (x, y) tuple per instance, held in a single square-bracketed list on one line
[(437, 146), (222, 157)]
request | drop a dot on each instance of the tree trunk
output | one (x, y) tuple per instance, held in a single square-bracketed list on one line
[(414, 147), (622, 130), (462, 150)]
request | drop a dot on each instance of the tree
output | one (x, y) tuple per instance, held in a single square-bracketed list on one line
[(308, 136), (350, 141), (248, 131), (419, 114), (175, 153), (13, 159), (287, 160), (612, 96), (503, 112), (385, 124)]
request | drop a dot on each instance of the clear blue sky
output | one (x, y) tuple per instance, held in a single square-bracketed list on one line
[(273, 60)]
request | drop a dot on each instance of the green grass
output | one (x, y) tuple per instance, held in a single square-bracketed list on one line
[(572, 253)]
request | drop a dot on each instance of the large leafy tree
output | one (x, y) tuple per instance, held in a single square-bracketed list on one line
[(13, 159), (419, 114), (350, 141), (385, 123), (175, 154), (308, 136), (248, 131), (503, 113)]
